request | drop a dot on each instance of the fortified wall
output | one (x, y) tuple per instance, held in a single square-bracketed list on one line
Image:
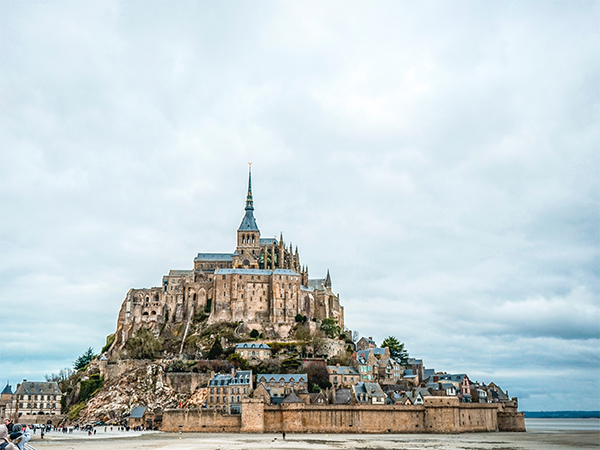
[(437, 415)]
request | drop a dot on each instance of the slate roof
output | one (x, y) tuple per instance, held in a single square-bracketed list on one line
[(371, 389), (277, 377), (241, 377), (214, 257), (251, 345), (316, 283), (248, 222), (343, 370), (7, 390), (220, 380), (178, 273), (342, 397), (292, 398), (38, 388), (453, 377), (137, 412), (268, 241)]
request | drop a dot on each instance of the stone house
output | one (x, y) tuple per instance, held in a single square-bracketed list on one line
[(343, 376), (369, 393), (226, 392), (35, 398), (462, 383), (253, 352), (279, 385), (365, 343)]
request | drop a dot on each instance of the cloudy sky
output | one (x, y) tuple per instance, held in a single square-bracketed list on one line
[(440, 158)]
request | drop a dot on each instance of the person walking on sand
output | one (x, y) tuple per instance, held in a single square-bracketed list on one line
[(283, 433)]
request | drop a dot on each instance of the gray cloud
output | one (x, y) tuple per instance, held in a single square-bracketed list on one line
[(440, 159)]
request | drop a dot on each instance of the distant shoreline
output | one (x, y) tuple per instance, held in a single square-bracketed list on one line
[(562, 414)]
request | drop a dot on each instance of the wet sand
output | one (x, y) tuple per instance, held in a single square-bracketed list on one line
[(536, 440)]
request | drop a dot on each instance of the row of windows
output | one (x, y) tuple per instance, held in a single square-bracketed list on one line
[(233, 399), (40, 397), (234, 390), (37, 405)]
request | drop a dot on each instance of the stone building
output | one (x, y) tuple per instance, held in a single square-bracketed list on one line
[(34, 398), (226, 392), (260, 283)]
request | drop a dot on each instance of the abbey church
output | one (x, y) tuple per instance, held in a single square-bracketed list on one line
[(261, 283)]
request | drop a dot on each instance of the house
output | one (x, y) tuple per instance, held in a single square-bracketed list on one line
[(462, 383), (225, 391), (342, 396), (35, 398), (416, 365), (140, 417), (496, 394), (253, 352), (281, 385), (367, 362), (365, 343), (369, 393), (390, 370), (319, 398), (343, 376)]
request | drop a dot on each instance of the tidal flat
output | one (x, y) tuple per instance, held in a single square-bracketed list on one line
[(531, 440)]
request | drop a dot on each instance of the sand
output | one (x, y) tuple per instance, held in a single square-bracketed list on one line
[(226, 441)]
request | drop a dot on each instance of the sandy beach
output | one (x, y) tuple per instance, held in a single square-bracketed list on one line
[(536, 440)]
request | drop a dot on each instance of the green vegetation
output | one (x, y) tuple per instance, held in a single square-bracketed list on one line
[(75, 410), (83, 361), (397, 349), (109, 341), (291, 364), (331, 327), (238, 361), (254, 334), (216, 350), (300, 318), (90, 386), (200, 317), (208, 306), (144, 345)]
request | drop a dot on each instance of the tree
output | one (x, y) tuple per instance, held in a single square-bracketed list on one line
[(254, 334), (316, 372), (84, 359), (239, 362), (216, 350), (291, 364), (397, 349), (330, 327)]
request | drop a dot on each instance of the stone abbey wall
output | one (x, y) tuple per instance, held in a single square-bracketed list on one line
[(438, 415)]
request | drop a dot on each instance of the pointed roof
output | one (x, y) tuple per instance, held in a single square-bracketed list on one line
[(7, 390), (328, 280), (248, 222)]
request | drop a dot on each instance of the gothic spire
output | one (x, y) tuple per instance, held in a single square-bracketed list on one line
[(248, 222), (249, 201)]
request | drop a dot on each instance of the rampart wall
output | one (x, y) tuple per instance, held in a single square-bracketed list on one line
[(438, 415)]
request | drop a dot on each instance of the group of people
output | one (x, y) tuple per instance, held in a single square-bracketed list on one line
[(14, 436)]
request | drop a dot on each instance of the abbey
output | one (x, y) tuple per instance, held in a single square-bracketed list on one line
[(260, 284)]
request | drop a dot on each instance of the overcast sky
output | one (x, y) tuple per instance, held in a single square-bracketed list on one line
[(440, 158)]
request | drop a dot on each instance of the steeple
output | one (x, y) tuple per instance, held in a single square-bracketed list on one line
[(328, 280), (248, 222), (249, 201)]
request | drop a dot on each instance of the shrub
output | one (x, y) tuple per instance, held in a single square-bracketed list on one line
[(75, 410), (254, 334)]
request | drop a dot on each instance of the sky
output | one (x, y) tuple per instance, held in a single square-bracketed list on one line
[(441, 159)]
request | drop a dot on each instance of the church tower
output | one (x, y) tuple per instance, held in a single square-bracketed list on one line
[(247, 251)]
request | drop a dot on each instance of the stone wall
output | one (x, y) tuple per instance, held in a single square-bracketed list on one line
[(202, 420), (437, 415), (186, 382)]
